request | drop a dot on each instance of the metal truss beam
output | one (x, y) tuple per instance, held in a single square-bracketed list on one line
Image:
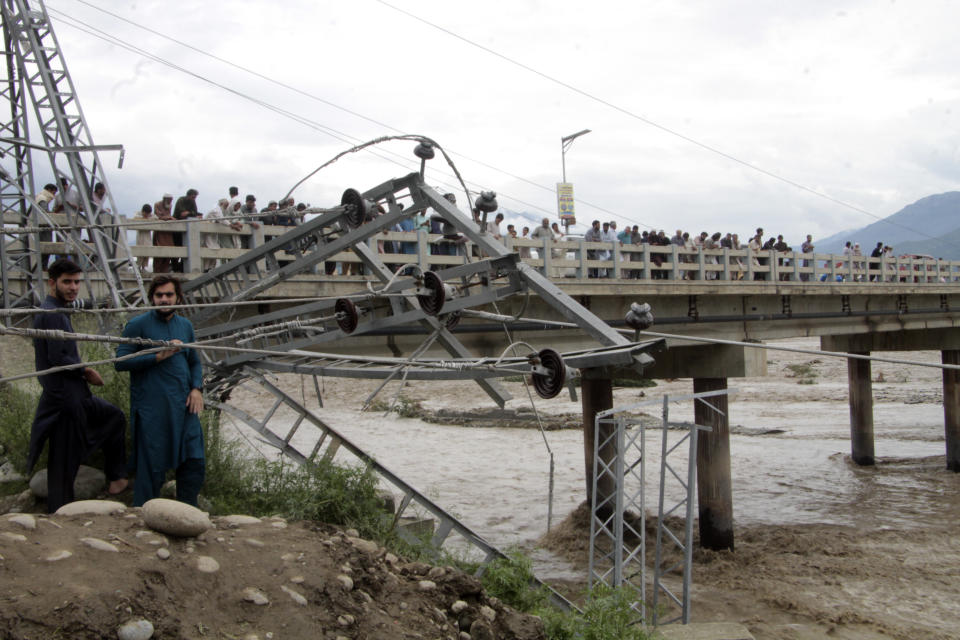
[(307, 438)]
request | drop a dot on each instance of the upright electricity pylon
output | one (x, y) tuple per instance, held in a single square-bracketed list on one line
[(35, 75)]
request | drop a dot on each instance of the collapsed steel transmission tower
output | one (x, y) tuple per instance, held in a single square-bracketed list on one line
[(35, 79)]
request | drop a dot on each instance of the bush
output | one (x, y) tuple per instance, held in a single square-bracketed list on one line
[(510, 580), (608, 613), (16, 417), (323, 492)]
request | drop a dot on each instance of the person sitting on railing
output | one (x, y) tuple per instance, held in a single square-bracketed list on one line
[(144, 237), (163, 210)]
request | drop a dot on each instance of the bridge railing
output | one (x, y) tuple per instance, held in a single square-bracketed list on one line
[(206, 244)]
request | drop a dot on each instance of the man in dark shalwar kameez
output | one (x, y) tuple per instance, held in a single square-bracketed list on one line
[(74, 421), (165, 399)]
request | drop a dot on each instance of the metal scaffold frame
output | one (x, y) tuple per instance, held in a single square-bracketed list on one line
[(618, 522), (35, 72)]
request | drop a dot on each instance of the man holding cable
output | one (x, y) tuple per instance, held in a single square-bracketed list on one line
[(73, 420), (165, 398)]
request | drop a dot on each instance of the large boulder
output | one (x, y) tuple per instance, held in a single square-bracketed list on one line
[(88, 485), (175, 518)]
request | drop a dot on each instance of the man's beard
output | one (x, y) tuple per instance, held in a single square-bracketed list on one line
[(165, 313)]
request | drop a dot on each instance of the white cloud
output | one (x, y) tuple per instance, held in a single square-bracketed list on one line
[(856, 99)]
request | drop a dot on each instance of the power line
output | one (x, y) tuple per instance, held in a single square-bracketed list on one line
[(653, 123)]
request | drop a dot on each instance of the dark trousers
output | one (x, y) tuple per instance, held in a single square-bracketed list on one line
[(102, 426), (190, 476)]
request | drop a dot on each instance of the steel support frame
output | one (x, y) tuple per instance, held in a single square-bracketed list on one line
[(617, 543), (41, 68)]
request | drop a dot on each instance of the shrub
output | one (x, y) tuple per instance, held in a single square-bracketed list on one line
[(16, 417)]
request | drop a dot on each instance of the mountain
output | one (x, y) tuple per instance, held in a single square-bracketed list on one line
[(929, 226)]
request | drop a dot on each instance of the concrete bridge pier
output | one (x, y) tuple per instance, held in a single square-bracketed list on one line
[(951, 408), (946, 340), (596, 395), (861, 410), (714, 483)]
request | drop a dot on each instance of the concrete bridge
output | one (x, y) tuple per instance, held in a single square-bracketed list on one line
[(859, 306)]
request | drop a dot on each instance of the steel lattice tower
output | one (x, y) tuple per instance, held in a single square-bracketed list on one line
[(36, 76)]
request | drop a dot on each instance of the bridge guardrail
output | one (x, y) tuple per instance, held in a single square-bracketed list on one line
[(562, 259)]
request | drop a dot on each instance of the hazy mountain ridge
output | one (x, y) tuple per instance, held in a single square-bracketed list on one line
[(909, 230)]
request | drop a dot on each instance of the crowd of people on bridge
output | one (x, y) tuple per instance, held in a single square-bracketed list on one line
[(445, 240)]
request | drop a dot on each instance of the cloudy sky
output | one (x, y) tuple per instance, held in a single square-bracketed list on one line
[(705, 115)]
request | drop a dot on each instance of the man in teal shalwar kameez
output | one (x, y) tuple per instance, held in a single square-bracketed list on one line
[(165, 399)]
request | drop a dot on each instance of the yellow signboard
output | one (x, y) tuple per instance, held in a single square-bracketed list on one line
[(565, 202)]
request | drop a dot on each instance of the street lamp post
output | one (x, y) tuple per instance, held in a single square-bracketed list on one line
[(565, 143)]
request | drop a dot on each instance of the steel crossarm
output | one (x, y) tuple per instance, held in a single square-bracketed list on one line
[(489, 269), (198, 290), (549, 292), (69, 144), (336, 442), (444, 336), (329, 230), (437, 368)]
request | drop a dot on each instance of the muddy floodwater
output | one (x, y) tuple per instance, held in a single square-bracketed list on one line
[(823, 546)]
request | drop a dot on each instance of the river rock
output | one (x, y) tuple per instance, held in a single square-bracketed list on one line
[(13, 537), (175, 518), (99, 545), (346, 581), (135, 630), (297, 597), (163, 554), (206, 564), (63, 554), (25, 520), (458, 606), (88, 485), (255, 596), (253, 542), (427, 585), (488, 613), (91, 508), (480, 630), (367, 546), (239, 520)]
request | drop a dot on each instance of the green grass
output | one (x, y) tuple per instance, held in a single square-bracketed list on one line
[(16, 417), (323, 492), (608, 613)]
